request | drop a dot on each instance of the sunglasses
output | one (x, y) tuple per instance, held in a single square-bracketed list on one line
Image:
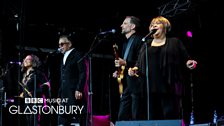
[(61, 44)]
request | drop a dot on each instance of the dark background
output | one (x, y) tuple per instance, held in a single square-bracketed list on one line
[(33, 26)]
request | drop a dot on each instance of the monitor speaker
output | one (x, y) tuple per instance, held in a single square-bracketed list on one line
[(150, 123)]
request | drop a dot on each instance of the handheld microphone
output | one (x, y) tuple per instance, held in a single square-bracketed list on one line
[(153, 31), (106, 32)]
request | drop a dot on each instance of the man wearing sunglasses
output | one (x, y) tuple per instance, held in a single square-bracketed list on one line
[(72, 81)]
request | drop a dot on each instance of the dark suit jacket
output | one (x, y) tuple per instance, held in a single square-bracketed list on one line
[(73, 77), (132, 82)]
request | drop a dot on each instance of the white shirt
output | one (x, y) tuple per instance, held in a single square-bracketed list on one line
[(66, 55)]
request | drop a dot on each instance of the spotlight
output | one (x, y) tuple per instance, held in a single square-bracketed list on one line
[(189, 34)]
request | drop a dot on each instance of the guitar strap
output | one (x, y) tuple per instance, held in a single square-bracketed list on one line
[(128, 47)]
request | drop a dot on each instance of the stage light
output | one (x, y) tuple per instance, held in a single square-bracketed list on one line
[(189, 34)]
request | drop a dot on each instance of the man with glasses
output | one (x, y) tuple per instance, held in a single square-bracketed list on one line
[(72, 81)]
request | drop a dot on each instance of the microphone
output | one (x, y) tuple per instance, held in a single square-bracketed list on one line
[(56, 51), (106, 32), (10, 100), (59, 50), (153, 31), (18, 63)]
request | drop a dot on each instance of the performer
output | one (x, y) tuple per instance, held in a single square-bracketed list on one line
[(130, 101), (167, 57), (32, 86), (72, 80)]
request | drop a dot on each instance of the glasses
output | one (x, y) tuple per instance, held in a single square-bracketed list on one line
[(61, 44)]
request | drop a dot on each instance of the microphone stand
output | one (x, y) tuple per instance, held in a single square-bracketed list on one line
[(147, 79), (147, 72), (192, 100), (1, 104), (90, 93), (34, 95), (147, 69)]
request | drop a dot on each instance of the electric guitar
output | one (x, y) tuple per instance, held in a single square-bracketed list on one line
[(120, 70)]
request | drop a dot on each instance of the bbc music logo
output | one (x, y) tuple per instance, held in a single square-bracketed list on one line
[(39, 105), (34, 100), (45, 100)]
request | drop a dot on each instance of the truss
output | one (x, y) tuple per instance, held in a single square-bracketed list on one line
[(174, 7)]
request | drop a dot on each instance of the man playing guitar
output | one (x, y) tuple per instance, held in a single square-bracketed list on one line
[(130, 101)]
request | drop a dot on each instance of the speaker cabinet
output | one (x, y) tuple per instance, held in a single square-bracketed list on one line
[(150, 123), (220, 122)]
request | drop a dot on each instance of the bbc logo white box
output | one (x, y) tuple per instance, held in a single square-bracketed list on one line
[(34, 100)]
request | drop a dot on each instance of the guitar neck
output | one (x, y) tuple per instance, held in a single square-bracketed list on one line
[(120, 70)]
